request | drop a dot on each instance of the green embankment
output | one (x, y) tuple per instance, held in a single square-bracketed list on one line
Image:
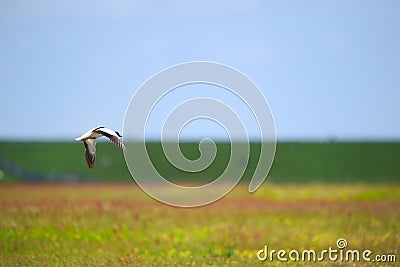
[(294, 162)]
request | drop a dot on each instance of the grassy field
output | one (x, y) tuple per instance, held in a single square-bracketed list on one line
[(119, 225), (315, 194), (294, 162)]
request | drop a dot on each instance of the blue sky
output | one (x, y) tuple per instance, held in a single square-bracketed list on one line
[(329, 69)]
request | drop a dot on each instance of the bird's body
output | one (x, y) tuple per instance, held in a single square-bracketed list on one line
[(89, 140)]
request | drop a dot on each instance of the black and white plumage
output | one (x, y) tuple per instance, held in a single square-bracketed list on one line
[(89, 140)]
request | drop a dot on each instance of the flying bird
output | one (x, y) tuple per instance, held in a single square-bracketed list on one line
[(89, 140)]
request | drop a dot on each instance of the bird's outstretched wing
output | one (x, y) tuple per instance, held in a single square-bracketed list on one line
[(117, 141), (110, 134), (90, 152)]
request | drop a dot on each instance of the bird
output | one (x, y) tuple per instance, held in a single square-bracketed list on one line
[(89, 141)]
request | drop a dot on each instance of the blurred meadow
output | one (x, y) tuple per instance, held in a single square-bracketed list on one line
[(55, 212)]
